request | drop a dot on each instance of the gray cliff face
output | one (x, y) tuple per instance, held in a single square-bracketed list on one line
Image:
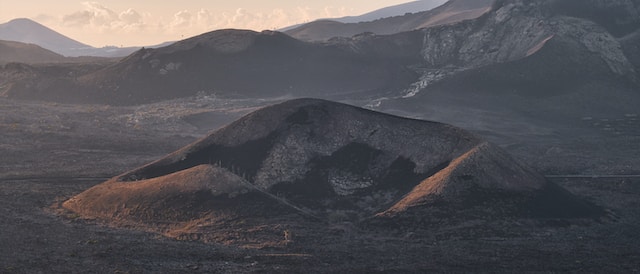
[(500, 37), (516, 30), (553, 35)]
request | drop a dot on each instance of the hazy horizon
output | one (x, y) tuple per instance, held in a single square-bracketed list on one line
[(141, 23)]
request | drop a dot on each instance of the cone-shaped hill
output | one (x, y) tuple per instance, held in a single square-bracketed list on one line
[(326, 161)]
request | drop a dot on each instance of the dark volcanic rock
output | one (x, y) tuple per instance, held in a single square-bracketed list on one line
[(328, 161)]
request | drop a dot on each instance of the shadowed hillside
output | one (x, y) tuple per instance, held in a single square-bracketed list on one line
[(26, 53), (233, 63)]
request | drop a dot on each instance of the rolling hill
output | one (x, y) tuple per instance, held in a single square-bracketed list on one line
[(233, 63), (313, 159), (26, 53)]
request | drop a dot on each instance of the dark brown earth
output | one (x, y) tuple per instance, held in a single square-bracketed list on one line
[(92, 141)]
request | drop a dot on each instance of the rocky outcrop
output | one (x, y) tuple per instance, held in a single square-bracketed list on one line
[(558, 47), (325, 161)]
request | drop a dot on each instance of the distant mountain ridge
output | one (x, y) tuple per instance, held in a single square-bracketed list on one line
[(28, 31), (396, 10), (450, 12), (31, 54)]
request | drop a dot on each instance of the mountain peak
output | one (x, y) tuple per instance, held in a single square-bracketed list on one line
[(25, 30), (28, 31), (25, 21)]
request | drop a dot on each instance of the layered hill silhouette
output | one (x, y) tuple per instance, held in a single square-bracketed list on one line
[(310, 159), (451, 12), (31, 54), (28, 31), (233, 63), (529, 47), (391, 11), (396, 10)]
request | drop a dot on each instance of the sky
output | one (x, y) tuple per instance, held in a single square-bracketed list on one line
[(151, 22)]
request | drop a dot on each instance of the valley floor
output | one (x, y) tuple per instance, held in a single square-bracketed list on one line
[(36, 238)]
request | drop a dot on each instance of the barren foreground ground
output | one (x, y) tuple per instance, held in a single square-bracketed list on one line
[(51, 152)]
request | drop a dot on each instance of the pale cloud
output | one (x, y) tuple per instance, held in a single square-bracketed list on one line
[(96, 17), (182, 19), (130, 16), (245, 19), (94, 14), (142, 27)]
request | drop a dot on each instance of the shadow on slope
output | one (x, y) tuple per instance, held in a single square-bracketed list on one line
[(309, 162)]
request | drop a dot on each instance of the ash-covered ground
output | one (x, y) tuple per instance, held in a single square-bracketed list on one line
[(52, 152)]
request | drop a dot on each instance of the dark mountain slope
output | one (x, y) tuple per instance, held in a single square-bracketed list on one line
[(520, 55), (26, 53), (242, 63), (329, 162), (54, 81)]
